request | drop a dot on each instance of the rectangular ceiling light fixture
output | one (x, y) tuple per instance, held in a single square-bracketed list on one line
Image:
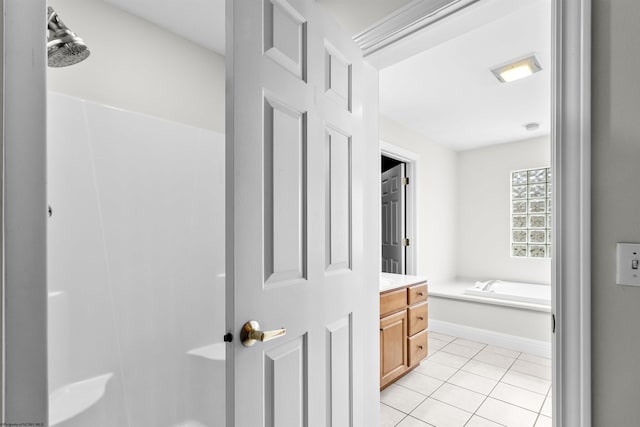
[(518, 69)]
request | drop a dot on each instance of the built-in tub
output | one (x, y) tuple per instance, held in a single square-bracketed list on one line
[(516, 315), (531, 293)]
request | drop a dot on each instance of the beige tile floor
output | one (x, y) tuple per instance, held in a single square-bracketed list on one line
[(470, 384)]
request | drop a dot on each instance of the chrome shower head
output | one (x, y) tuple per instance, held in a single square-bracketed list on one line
[(63, 46)]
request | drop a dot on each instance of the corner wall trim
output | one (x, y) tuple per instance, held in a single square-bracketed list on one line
[(571, 163)]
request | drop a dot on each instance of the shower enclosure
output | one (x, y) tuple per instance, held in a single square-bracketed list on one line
[(136, 269), (135, 255)]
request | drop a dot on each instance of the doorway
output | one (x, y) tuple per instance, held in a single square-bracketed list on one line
[(393, 156), (572, 25), (393, 215), (472, 184)]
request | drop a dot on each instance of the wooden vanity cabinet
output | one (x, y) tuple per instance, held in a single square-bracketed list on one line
[(403, 331)]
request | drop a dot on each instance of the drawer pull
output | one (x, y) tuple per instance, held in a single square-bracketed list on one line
[(420, 294), (420, 318), (420, 347)]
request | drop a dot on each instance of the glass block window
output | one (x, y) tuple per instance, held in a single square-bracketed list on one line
[(531, 213)]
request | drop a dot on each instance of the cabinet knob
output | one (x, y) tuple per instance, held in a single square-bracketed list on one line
[(420, 347)]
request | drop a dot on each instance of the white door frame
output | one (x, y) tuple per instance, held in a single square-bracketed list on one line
[(24, 205), (411, 207), (571, 168)]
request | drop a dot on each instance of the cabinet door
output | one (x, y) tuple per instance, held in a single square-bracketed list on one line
[(393, 351)]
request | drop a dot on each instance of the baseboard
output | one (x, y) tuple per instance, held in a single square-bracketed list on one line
[(512, 342)]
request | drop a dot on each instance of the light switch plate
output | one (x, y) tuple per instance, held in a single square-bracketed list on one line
[(628, 259)]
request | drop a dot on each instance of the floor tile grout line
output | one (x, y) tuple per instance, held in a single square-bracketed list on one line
[(415, 391), (440, 401), (521, 388), (535, 363), (524, 388), (507, 370), (460, 369), (513, 404), (434, 391), (487, 396)]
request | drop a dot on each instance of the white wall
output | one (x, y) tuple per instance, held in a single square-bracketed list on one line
[(437, 181), (138, 66), (483, 211)]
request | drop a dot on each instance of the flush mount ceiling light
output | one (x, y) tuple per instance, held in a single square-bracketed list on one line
[(517, 70)]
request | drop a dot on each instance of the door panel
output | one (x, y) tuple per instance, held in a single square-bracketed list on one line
[(285, 384), (285, 35), (339, 373), (338, 202), (284, 192), (295, 227)]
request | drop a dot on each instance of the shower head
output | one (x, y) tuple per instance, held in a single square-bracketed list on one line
[(63, 46)]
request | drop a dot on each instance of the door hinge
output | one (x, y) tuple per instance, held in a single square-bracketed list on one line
[(553, 323), (405, 180), (405, 242)]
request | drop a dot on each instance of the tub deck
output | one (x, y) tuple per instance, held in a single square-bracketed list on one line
[(455, 289)]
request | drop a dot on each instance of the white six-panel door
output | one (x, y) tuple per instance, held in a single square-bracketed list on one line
[(393, 220), (295, 228)]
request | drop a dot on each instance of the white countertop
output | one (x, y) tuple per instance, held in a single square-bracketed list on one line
[(389, 281)]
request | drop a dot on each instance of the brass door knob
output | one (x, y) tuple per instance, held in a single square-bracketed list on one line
[(251, 333)]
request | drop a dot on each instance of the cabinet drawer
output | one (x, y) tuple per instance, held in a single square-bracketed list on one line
[(418, 315), (417, 293), (393, 301), (417, 348)]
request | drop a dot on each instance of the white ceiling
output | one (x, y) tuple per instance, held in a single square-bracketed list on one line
[(201, 21), (449, 94), (446, 92)]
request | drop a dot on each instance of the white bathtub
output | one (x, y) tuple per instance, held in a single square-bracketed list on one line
[(512, 291), (516, 316)]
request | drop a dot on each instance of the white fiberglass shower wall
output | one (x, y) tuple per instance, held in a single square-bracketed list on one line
[(135, 269)]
